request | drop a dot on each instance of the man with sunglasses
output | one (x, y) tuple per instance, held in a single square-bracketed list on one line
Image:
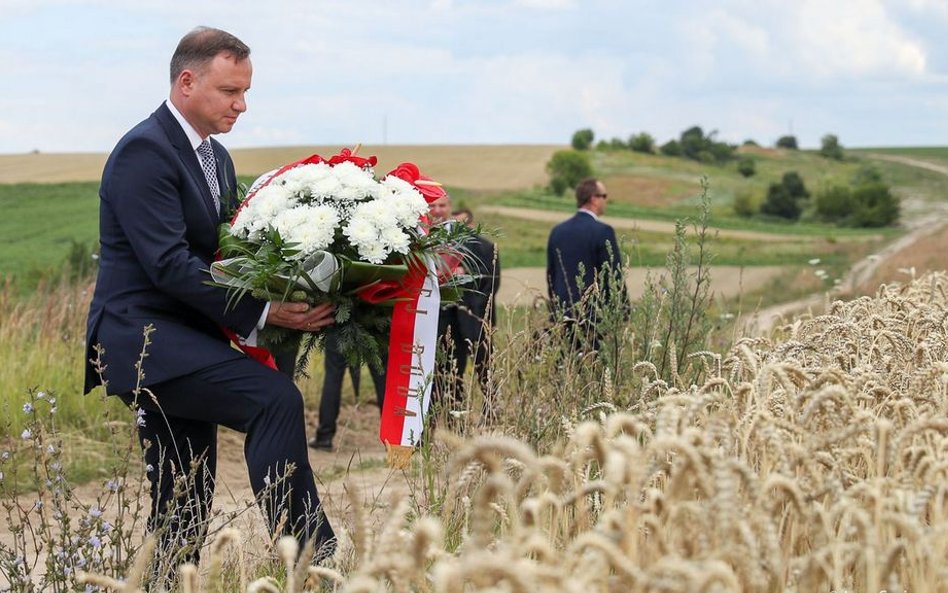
[(584, 267)]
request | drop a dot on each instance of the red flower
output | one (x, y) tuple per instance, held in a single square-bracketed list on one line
[(428, 187), (345, 155)]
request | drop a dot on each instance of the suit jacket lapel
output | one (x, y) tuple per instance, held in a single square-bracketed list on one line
[(190, 159)]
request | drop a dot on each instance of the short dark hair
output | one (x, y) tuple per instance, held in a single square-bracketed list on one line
[(585, 190), (201, 45)]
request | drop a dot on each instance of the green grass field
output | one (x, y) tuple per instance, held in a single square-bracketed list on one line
[(44, 223), (40, 224)]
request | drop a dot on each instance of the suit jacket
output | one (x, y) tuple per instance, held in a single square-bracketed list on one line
[(158, 237), (484, 265), (577, 251)]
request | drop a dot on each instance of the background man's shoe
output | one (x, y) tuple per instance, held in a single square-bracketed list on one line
[(320, 445)]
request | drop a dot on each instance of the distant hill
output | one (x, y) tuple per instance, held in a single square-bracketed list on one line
[(476, 167)]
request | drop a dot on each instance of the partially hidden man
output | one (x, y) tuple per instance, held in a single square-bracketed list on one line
[(166, 187)]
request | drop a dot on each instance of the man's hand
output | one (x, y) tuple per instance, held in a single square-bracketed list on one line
[(301, 316)]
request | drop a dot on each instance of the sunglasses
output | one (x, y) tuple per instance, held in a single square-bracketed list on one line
[(603, 196)]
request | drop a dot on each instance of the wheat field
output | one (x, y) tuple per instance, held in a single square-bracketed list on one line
[(813, 459), (473, 167)]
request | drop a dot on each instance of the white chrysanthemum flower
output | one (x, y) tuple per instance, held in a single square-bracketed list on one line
[(361, 231), (406, 208), (260, 211), (313, 228), (359, 183), (377, 212), (325, 188), (298, 180), (396, 240), (396, 185), (374, 253)]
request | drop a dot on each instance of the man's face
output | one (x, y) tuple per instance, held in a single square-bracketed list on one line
[(440, 209), (214, 95), (598, 201)]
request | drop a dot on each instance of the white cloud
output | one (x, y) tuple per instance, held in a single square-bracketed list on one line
[(809, 40), (491, 71), (546, 4)]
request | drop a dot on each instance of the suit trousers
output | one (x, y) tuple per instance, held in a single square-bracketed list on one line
[(335, 366), (178, 431)]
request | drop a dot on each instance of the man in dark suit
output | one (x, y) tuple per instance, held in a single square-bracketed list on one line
[(465, 328), (477, 315), (584, 267), (165, 188)]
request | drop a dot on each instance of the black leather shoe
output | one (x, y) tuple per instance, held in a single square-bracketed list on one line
[(320, 445)]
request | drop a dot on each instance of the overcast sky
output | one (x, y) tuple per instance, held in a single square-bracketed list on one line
[(77, 74)]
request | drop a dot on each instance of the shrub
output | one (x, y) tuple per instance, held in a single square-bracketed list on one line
[(789, 142), (794, 184), (875, 206), (642, 142), (671, 148), (567, 168), (834, 204), (583, 139), (830, 147), (745, 205), (866, 174), (618, 144), (746, 167), (780, 202)]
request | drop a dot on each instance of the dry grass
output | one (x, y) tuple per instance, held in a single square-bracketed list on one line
[(811, 460), (649, 191), (927, 254), (474, 167)]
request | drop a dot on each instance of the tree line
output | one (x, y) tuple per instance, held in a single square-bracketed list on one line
[(866, 201)]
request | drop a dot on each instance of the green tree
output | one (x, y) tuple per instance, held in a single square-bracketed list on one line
[(788, 141), (834, 204), (747, 167), (794, 184), (642, 142), (566, 169), (875, 206), (703, 148), (583, 139), (781, 203), (692, 142), (671, 148), (831, 148)]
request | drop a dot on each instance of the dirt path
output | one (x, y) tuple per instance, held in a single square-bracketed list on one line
[(523, 286), (660, 226), (920, 220)]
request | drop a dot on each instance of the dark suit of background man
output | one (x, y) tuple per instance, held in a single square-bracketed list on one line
[(475, 317), (461, 325), (158, 223), (578, 252)]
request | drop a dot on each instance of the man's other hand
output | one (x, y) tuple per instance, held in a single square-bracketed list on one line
[(301, 316)]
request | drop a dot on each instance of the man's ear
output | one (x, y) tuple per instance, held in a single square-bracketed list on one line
[(185, 82)]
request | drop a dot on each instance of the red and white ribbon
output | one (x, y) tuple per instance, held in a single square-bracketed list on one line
[(411, 364)]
